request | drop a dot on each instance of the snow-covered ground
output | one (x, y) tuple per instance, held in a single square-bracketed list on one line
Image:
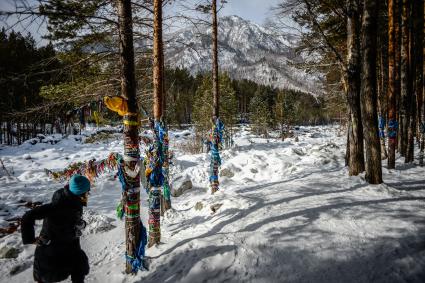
[(286, 212)]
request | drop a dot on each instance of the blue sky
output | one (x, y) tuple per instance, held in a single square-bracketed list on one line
[(254, 10)]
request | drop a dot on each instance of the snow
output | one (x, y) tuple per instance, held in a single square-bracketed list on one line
[(286, 212)]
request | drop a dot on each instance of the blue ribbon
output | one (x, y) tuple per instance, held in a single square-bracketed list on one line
[(156, 177), (392, 128), (137, 261)]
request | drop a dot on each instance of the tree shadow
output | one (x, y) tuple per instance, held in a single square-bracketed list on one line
[(314, 212), (382, 259), (235, 214), (406, 166), (178, 267), (408, 185), (385, 260), (293, 178)]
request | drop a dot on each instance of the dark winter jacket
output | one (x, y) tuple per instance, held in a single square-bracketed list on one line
[(58, 253)]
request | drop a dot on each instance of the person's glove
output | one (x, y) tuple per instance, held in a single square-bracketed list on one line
[(80, 226), (41, 241)]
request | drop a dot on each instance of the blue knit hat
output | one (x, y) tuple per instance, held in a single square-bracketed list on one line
[(78, 184)]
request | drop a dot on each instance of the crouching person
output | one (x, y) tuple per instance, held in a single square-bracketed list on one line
[(58, 253)]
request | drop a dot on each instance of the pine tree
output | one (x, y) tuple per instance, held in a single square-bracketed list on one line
[(204, 104), (355, 134), (369, 94), (392, 82), (260, 114), (131, 194)]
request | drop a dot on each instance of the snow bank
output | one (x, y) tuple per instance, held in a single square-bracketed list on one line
[(286, 212)]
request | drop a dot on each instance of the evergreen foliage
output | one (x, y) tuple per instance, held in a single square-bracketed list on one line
[(203, 104), (24, 69)]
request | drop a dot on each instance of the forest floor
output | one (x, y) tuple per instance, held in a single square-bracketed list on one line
[(287, 211)]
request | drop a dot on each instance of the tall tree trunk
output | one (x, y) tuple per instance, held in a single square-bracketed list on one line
[(411, 88), (347, 148), (392, 118), (397, 48), (158, 72), (404, 103), (369, 94), (155, 197), (215, 163), (166, 193), (356, 155), (419, 86), (131, 194), (383, 79), (216, 94)]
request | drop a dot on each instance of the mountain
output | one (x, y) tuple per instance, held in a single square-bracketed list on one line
[(246, 51)]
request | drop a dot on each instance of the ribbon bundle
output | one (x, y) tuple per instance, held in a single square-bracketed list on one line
[(154, 215), (136, 261), (381, 126), (155, 157), (216, 139), (154, 174), (166, 167), (91, 168), (392, 129)]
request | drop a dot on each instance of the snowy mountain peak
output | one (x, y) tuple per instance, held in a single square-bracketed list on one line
[(246, 51)]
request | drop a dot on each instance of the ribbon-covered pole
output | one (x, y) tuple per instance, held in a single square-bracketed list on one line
[(156, 160), (131, 174), (215, 143)]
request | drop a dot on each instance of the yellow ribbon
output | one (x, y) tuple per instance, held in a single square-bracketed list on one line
[(131, 123), (117, 104)]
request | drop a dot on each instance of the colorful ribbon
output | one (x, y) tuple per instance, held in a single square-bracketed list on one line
[(155, 176), (392, 129), (216, 139), (91, 168), (381, 126)]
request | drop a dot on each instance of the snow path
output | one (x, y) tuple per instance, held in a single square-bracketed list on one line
[(288, 213)]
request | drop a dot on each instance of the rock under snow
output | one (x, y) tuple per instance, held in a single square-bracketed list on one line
[(97, 223), (181, 185), (9, 252), (226, 172)]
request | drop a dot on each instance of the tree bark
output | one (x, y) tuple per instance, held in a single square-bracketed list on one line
[(369, 94), (392, 81), (397, 50), (410, 150), (356, 154), (161, 98), (158, 72), (131, 194), (383, 79), (216, 94), (419, 59), (404, 76), (155, 196)]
